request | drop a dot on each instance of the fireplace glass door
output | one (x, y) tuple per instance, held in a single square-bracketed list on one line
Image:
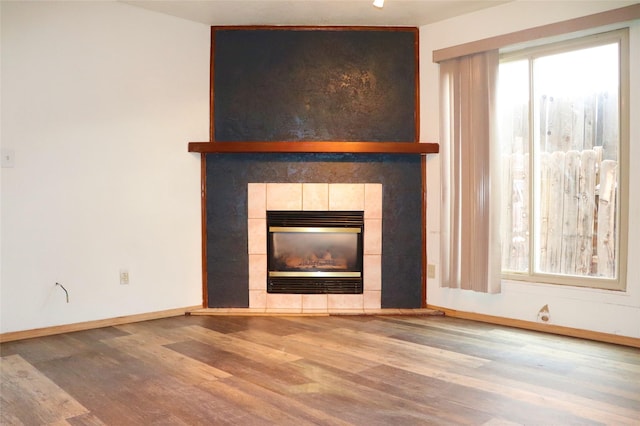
[(315, 252)]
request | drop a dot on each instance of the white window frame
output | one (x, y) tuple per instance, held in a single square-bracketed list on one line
[(620, 36)]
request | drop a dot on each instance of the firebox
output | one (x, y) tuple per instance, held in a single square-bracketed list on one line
[(315, 252)]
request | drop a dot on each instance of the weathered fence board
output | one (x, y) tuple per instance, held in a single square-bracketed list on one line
[(569, 228), (555, 201), (586, 211), (606, 245)]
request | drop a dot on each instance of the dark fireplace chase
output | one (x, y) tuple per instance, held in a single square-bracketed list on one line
[(315, 252)]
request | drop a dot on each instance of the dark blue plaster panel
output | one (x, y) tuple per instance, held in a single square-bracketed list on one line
[(227, 176)]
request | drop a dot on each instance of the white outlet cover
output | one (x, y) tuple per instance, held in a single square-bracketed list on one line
[(124, 276)]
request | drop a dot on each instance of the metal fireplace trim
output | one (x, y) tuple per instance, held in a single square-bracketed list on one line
[(313, 229), (314, 274), (318, 281), (296, 285)]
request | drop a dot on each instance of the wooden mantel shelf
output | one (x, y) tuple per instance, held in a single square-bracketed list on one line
[(314, 147)]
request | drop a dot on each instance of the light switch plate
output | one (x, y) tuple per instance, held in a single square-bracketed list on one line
[(431, 271)]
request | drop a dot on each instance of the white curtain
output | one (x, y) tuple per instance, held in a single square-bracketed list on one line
[(470, 251)]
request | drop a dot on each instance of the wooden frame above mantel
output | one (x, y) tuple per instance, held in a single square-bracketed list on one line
[(277, 90), (314, 147)]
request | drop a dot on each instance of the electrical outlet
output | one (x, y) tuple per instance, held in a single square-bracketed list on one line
[(124, 276), (543, 314), (431, 271)]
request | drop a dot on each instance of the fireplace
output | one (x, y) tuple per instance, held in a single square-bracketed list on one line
[(315, 169), (315, 252), (358, 198)]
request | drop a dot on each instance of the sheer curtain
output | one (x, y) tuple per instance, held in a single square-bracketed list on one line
[(470, 251)]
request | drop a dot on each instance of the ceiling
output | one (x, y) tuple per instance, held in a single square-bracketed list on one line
[(314, 12)]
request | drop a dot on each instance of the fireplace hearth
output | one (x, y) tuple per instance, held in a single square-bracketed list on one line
[(315, 252)]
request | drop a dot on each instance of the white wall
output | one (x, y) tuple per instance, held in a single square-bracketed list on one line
[(595, 310), (99, 100)]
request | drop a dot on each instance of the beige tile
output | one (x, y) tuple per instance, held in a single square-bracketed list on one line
[(346, 196), (284, 196), (372, 271), (256, 200), (372, 299), (284, 302), (257, 272), (372, 236), (257, 236), (315, 196), (314, 303), (257, 299), (347, 302), (373, 201)]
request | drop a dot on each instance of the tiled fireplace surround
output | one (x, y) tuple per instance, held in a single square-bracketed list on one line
[(365, 197), (398, 179)]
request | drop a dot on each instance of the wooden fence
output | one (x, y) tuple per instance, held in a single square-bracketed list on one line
[(576, 227), (578, 137)]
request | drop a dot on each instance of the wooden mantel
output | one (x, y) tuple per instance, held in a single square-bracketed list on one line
[(315, 147)]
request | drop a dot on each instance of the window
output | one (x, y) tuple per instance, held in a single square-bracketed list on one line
[(561, 132)]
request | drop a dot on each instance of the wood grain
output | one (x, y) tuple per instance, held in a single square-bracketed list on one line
[(333, 370), (24, 388), (315, 147)]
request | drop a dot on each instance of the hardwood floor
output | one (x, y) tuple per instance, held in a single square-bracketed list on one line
[(362, 370)]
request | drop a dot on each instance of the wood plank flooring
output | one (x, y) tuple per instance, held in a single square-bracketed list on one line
[(323, 370)]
